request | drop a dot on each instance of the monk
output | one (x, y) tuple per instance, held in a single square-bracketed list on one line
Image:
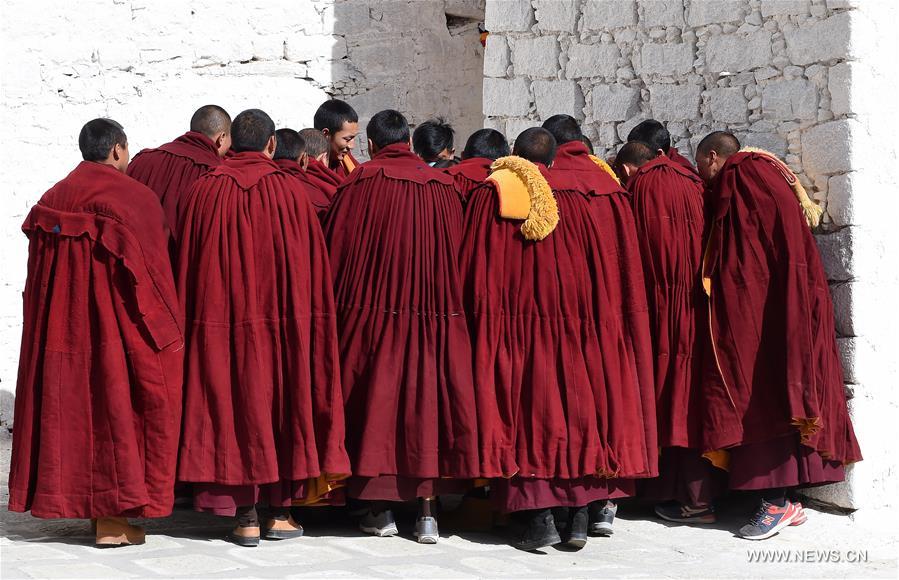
[(546, 340), (775, 411), (339, 122), (405, 355), (668, 211), (316, 164), (171, 169), (291, 157), (625, 325), (483, 148), (655, 136), (98, 400), (433, 141), (263, 412)]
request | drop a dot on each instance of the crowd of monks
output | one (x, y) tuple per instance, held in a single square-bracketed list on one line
[(249, 316)]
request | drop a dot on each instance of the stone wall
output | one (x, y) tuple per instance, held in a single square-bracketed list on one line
[(150, 64), (808, 80)]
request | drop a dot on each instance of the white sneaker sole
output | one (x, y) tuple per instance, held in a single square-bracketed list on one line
[(381, 532), (786, 522), (427, 539)]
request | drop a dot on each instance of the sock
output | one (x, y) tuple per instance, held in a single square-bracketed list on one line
[(424, 507), (247, 517), (777, 496)]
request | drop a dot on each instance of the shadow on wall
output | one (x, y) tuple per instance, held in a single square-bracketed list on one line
[(423, 58)]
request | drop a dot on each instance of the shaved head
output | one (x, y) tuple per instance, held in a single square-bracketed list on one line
[(290, 145), (211, 120), (253, 130), (564, 129), (316, 142), (713, 151), (653, 134), (537, 145), (723, 143), (631, 157)]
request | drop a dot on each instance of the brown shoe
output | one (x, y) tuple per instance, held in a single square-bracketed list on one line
[(246, 536), (283, 529), (117, 532)]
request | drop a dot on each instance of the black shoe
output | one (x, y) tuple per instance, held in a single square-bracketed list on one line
[(674, 511), (576, 536), (540, 533), (602, 516)]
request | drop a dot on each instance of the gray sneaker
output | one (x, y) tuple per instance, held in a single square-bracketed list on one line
[(381, 524), (426, 531), (602, 515)]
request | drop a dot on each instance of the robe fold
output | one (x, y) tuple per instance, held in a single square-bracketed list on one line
[(469, 174), (323, 178), (171, 169), (674, 155), (620, 291), (668, 213), (262, 383), (343, 167), (774, 370), (320, 201), (393, 233), (547, 340), (98, 399)]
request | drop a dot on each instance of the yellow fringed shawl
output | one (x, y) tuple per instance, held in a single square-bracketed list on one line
[(525, 194), (605, 167)]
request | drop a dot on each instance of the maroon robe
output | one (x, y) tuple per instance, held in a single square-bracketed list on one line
[(98, 400), (262, 386), (468, 174), (393, 232), (339, 166), (317, 197), (668, 212), (171, 169), (774, 381), (550, 344), (674, 155), (624, 311), (323, 178)]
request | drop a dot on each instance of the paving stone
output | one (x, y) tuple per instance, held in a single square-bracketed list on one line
[(187, 564), (80, 570)]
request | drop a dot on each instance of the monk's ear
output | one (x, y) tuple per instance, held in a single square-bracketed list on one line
[(326, 132), (270, 147), (372, 148), (324, 158), (303, 160)]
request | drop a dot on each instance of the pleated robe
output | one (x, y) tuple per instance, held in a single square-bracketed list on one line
[(263, 405), (393, 233), (545, 340), (320, 201), (171, 169), (468, 174), (773, 391), (323, 178), (98, 398)]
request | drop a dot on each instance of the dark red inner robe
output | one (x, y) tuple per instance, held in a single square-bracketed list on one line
[(171, 169), (326, 180), (468, 174), (339, 167), (674, 155), (773, 375), (262, 384), (548, 342), (98, 399), (393, 233), (319, 199)]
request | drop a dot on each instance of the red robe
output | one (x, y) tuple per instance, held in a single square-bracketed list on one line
[(262, 383), (342, 166), (548, 341), (468, 174), (171, 169), (320, 201), (323, 178), (393, 232), (619, 278), (668, 212), (98, 400), (674, 155), (777, 374)]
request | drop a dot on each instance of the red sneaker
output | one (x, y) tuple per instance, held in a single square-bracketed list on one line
[(769, 519)]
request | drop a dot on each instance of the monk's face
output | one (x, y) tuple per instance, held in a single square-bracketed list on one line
[(344, 140), (708, 165)]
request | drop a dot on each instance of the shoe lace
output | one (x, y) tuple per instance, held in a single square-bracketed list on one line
[(759, 514)]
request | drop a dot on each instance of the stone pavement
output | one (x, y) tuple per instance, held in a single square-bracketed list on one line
[(189, 545)]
